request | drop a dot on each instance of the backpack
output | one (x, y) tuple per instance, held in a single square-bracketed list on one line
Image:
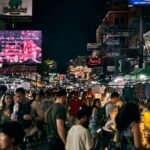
[(103, 118)]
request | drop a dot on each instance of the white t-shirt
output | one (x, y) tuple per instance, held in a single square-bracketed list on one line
[(79, 138)]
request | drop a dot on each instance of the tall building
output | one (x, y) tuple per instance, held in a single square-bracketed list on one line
[(139, 35), (116, 27), (113, 34)]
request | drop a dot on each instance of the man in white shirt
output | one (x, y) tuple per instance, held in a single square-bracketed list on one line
[(79, 137)]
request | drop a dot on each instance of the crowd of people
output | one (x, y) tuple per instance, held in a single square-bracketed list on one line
[(71, 120)]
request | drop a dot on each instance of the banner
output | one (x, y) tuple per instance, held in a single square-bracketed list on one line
[(16, 9)]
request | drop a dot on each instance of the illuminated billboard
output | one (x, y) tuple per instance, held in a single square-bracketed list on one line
[(139, 2), (94, 62), (20, 46), (16, 9)]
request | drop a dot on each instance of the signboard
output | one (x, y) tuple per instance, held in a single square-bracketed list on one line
[(112, 54), (112, 42), (139, 2), (16, 9), (94, 62), (20, 47), (18, 69), (93, 46), (110, 68)]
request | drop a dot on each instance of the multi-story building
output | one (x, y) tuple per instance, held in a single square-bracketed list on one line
[(113, 33), (139, 19), (116, 27)]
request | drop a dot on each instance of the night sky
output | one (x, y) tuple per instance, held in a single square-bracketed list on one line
[(67, 26)]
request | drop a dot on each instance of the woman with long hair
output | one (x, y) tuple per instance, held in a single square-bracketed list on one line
[(127, 125), (7, 108), (94, 121)]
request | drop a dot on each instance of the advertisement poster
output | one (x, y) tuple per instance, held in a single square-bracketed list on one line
[(20, 47), (16, 9)]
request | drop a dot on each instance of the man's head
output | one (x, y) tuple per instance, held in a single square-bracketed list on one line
[(20, 94), (47, 94), (83, 116), (11, 134), (61, 96), (115, 97)]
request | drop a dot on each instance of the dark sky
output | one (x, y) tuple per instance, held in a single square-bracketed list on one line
[(67, 26)]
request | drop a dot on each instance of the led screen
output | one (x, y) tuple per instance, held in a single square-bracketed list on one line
[(20, 46)]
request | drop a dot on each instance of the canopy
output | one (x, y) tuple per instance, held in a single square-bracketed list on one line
[(139, 74), (136, 71)]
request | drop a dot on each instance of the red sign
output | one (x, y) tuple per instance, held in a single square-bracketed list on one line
[(93, 62)]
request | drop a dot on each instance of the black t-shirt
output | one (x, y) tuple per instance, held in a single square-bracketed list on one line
[(24, 109), (56, 111)]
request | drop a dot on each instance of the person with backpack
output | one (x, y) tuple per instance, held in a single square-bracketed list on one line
[(110, 111), (115, 98)]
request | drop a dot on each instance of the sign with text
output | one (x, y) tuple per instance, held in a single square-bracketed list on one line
[(139, 2), (94, 62), (112, 42), (16, 9)]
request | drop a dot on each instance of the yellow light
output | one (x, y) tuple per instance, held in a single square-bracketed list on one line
[(147, 119)]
